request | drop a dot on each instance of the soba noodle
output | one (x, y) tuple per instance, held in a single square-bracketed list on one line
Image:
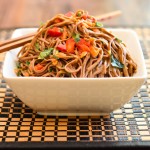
[(75, 45)]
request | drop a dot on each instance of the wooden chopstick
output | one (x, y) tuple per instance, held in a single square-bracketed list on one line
[(16, 39), (20, 41), (15, 42), (109, 15)]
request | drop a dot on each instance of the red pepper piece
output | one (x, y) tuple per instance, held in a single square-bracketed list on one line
[(83, 48), (70, 45), (57, 20), (82, 41), (83, 45), (61, 47), (55, 32), (84, 17)]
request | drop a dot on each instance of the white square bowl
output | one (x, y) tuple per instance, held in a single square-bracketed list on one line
[(77, 96)]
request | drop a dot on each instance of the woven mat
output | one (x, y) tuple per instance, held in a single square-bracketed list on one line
[(129, 123)]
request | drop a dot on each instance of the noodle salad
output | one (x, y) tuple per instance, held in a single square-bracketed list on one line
[(74, 45)]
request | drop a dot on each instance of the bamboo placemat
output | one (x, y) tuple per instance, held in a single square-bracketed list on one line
[(18, 123)]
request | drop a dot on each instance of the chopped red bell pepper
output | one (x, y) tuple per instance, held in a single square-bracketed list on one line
[(83, 45), (83, 42), (54, 32), (38, 67), (70, 45), (61, 47), (93, 19), (94, 52), (57, 20), (69, 14), (83, 48), (84, 17)]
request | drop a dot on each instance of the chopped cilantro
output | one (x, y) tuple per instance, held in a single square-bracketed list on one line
[(18, 64), (45, 53), (98, 24), (37, 46), (118, 40), (79, 14), (19, 73), (28, 63), (54, 56), (50, 69), (76, 37)]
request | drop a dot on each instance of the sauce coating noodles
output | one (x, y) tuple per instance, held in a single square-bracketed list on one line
[(75, 45)]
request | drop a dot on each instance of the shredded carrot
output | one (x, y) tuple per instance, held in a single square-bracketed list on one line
[(25, 73), (54, 61), (38, 67), (94, 52), (64, 35), (96, 30)]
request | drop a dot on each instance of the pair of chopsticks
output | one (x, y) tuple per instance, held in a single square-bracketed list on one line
[(15, 42), (20, 41)]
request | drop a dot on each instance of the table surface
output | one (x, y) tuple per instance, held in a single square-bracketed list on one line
[(129, 125), (29, 13)]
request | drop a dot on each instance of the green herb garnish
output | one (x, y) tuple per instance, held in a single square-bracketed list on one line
[(28, 63), (118, 40), (79, 14), (76, 37), (45, 53), (19, 73), (55, 52), (116, 63), (37, 46), (54, 56), (98, 24), (50, 69), (18, 65)]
